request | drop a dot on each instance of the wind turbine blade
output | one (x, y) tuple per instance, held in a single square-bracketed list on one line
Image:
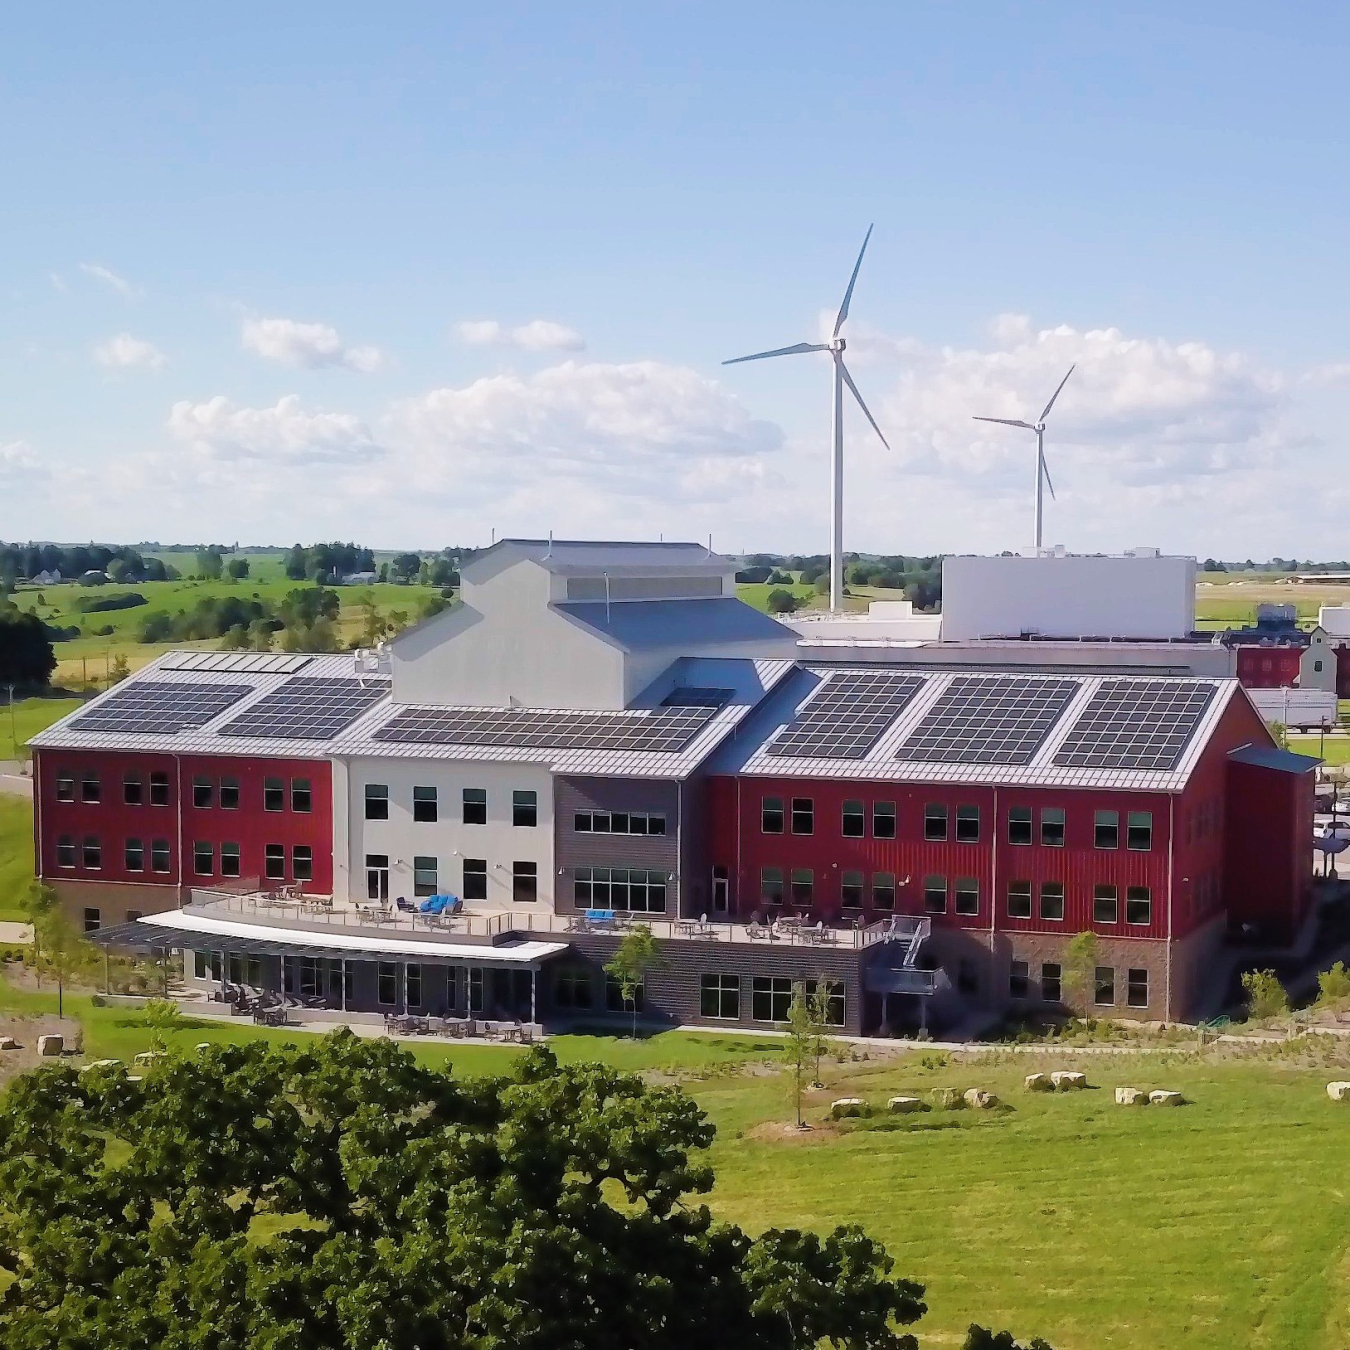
[(848, 380), (852, 281), (780, 351), (1005, 421), (1045, 469), (1055, 395)]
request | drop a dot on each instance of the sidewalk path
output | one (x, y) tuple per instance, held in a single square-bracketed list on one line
[(13, 780), (16, 932)]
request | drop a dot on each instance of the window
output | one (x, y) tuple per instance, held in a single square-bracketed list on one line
[(202, 792), (302, 796), (474, 884), (65, 851), (934, 821), (1052, 978), (475, 988), (274, 796), (65, 785), (967, 824), (133, 915), (627, 888), (572, 988), (1139, 831), (832, 997), (883, 890), (386, 984), (1104, 986), (473, 806), (92, 921), (91, 853), (1317, 666), (309, 976), (524, 808), (615, 1001), (935, 895), (412, 986), (1106, 829), (1136, 988), (203, 859), (771, 815), (159, 855), (771, 885), (525, 882), (620, 822), (719, 996), (1019, 899), (1019, 824), (721, 887), (883, 820), (229, 860), (1052, 827), (770, 998), (206, 965), (803, 884), (159, 789), (133, 790), (274, 863), (803, 815), (424, 805), (967, 895), (377, 800), (229, 794), (1052, 900), (851, 890), (424, 876), (133, 855), (302, 863), (854, 820), (1019, 978), (1105, 905), (1138, 905), (90, 791)]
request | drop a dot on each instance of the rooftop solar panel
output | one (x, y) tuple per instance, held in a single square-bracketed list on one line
[(308, 708), (161, 707), (251, 663), (847, 715), (1135, 724), (999, 719), (661, 731)]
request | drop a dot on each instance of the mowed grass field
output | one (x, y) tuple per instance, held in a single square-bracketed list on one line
[(16, 853), (26, 718)]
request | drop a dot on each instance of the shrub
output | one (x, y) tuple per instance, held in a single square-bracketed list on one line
[(1333, 987), (1265, 995), (781, 602), (98, 604)]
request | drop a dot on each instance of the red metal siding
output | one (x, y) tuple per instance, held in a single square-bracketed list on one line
[(1268, 667), (1269, 853), (112, 822)]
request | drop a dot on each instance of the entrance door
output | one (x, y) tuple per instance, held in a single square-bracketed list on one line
[(720, 888), (377, 876)]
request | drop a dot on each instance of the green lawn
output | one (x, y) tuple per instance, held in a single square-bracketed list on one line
[(1331, 749), (16, 852), (27, 717)]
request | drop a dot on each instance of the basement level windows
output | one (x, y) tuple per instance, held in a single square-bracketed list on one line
[(92, 921), (770, 998), (854, 820), (1052, 827), (473, 806), (572, 988), (1052, 981), (1104, 986), (719, 997), (828, 997), (770, 815), (619, 822), (1136, 988), (1019, 978), (425, 807), (803, 815), (377, 801)]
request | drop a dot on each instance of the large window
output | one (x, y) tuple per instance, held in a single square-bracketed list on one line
[(386, 984), (1138, 905), (159, 855), (1019, 899), (229, 860), (274, 798), (302, 795), (133, 790), (968, 824), (1052, 900), (91, 853), (832, 998), (203, 792), (719, 996), (967, 895), (770, 998), (159, 789), (1052, 827), (90, 791), (229, 794), (1019, 979), (572, 987), (935, 821), (412, 986), (803, 815), (636, 889), (883, 890), (1105, 905), (619, 822), (274, 863), (203, 858), (615, 1001), (1104, 986), (377, 801), (771, 815), (473, 806), (854, 822), (525, 881), (771, 885), (524, 807), (65, 851), (302, 863), (1052, 981), (935, 894), (883, 820), (1139, 831), (1106, 829), (424, 876), (474, 885), (1136, 988), (133, 856), (1019, 824), (851, 890)]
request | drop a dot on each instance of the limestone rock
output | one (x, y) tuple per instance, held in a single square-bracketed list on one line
[(847, 1106), (1162, 1098), (1338, 1092), (1065, 1081), (1037, 1082), (100, 1064), (945, 1098), (50, 1045), (203, 1045), (149, 1057), (8, 1043), (1128, 1096), (979, 1099), (904, 1105)]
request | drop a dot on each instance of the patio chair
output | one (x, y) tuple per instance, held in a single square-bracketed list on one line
[(405, 905)]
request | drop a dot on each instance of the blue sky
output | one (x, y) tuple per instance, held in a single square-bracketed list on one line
[(240, 248)]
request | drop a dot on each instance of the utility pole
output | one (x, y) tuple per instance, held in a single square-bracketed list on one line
[(13, 730)]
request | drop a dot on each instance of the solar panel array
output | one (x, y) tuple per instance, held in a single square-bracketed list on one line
[(1135, 724), (161, 707), (847, 715), (239, 663), (662, 731), (999, 719), (308, 708)]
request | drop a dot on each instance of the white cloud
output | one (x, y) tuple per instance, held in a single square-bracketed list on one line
[(539, 335), (125, 352), (111, 280), (285, 435), (307, 345), (19, 464)]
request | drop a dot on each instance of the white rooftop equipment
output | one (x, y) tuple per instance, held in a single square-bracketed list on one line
[(1335, 619)]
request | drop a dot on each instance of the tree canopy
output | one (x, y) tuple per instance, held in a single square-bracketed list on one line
[(341, 1196)]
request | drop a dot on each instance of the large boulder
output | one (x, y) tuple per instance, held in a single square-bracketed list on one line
[(1128, 1096), (8, 1043), (52, 1044), (1066, 1081), (945, 1098), (979, 1099), (848, 1106), (1338, 1092), (904, 1105), (1163, 1098), (1037, 1082)]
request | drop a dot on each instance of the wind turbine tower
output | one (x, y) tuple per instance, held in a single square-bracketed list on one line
[(1042, 472), (835, 346)]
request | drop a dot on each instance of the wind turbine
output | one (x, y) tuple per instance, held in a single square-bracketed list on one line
[(1039, 428), (835, 347)]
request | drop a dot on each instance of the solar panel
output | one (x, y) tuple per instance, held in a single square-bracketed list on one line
[(161, 707), (661, 731), (847, 715), (999, 719), (308, 708), (1135, 724), (240, 663)]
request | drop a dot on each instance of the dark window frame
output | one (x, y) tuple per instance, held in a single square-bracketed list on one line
[(853, 819), (803, 816), (473, 806), (772, 815), (935, 822), (376, 799), (1021, 826)]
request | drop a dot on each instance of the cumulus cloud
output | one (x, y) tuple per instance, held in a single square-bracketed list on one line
[(307, 345), (18, 463), (125, 352), (111, 280), (539, 335), (286, 435)]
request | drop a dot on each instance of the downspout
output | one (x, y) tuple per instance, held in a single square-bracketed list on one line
[(739, 844), (993, 882), (178, 797), (1171, 903), (37, 813)]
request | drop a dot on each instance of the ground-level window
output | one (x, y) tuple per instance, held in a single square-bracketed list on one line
[(615, 1001), (1052, 900), (474, 885), (159, 855), (274, 862), (203, 858), (206, 965), (1019, 899), (229, 860), (377, 875), (851, 890), (1138, 905), (636, 889), (1018, 978), (476, 988), (309, 976), (1136, 988), (133, 856), (935, 895), (412, 986), (1052, 977), (1104, 986), (883, 890), (720, 997), (302, 862), (386, 984), (92, 921), (525, 881), (1105, 904), (828, 998), (572, 987), (967, 895), (770, 998), (424, 876)]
